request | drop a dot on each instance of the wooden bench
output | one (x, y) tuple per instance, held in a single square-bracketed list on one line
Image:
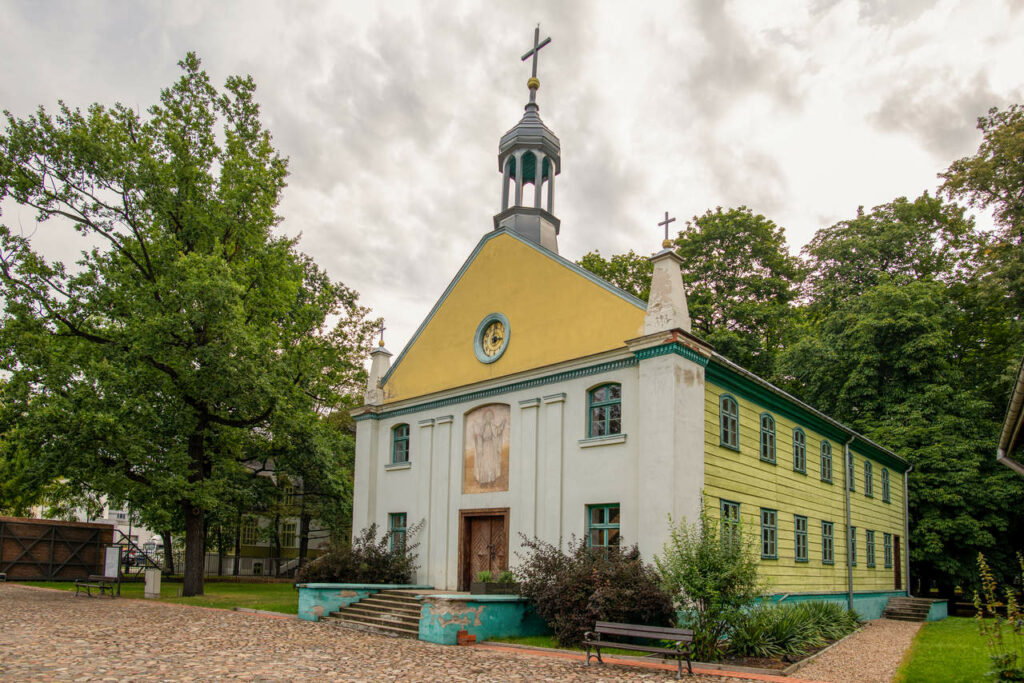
[(683, 639), (103, 583)]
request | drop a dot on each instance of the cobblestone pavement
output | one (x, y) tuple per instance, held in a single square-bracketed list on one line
[(53, 635), (871, 655)]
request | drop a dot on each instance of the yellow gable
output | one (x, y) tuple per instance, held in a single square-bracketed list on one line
[(555, 312)]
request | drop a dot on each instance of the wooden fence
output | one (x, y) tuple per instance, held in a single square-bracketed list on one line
[(51, 550)]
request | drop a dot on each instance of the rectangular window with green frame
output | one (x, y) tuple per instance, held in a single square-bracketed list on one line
[(767, 438), (869, 479), (730, 521), (827, 545), (851, 473), (603, 525), (869, 546), (800, 538), (729, 422), (886, 498), (769, 534), (853, 546), (400, 444), (396, 525), (887, 550), (799, 451)]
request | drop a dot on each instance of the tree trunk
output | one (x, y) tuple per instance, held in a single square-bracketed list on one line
[(168, 552), (194, 542), (303, 537), (238, 545)]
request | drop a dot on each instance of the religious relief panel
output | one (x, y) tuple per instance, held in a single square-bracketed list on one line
[(485, 449)]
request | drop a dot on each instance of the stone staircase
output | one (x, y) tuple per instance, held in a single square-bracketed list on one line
[(907, 609), (393, 613)]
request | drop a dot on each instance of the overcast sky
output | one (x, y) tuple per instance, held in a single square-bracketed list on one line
[(390, 112)]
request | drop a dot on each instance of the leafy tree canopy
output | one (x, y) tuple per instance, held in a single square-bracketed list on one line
[(193, 340)]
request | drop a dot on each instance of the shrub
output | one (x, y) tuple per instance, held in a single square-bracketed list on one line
[(1004, 636), (712, 580), (790, 631), (572, 589), (506, 577), (484, 576), (367, 560)]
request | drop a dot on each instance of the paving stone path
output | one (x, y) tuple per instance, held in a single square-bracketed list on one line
[(53, 635)]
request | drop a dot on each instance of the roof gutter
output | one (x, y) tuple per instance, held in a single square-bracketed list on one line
[(849, 539)]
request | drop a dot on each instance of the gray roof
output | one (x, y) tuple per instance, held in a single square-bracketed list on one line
[(530, 133)]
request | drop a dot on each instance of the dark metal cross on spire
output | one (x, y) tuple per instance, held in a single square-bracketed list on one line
[(381, 329), (665, 223), (533, 83)]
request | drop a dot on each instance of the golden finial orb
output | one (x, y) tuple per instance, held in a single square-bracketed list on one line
[(667, 244), (381, 343), (533, 83)]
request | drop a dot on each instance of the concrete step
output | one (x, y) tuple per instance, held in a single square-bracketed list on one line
[(412, 609), (393, 596), (357, 612), (399, 631)]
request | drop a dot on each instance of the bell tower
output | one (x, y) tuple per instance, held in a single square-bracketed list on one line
[(529, 157)]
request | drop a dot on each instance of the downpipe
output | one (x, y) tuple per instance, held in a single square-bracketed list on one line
[(849, 549)]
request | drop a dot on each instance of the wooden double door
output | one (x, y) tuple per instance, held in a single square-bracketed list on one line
[(483, 543)]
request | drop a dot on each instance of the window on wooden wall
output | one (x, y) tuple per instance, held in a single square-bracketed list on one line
[(826, 461), (400, 444), (869, 476), (799, 451), (885, 486), (800, 538), (288, 535), (827, 545), (887, 550), (604, 410), (851, 473), (396, 525), (869, 547), (769, 534), (249, 532), (730, 521), (767, 438), (729, 422), (603, 525), (853, 545)]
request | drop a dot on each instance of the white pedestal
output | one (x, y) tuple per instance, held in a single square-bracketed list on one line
[(152, 583)]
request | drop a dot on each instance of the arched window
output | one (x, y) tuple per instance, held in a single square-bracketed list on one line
[(885, 486), (799, 451), (826, 461), (729, 422), (767, 438), (400, 444), (869, 484), (604, 410)]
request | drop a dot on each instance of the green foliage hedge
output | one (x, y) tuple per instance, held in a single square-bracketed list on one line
[(367, 560)]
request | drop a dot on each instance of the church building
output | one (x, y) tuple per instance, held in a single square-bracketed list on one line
[(537, 399)]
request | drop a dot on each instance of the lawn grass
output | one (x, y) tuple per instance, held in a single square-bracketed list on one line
[(948, 650), (273, 597), (550, 642)]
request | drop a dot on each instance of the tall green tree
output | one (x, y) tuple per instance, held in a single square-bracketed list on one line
[(741, 282), (150, 366)]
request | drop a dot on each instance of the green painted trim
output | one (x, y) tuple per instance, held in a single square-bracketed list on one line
[(626, 296), (831, 536), (396, 439), (869, 548), (721, 423), (673, 347), (821, 462), (504, 388), (763, 432), (852, 549), (869, 480), (730, 377), (803, 450), (605, 527), (807, 540), (886, 487), (770, 527), (607, 403)]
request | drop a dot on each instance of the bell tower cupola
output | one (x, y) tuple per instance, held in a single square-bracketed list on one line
[(529, 158)]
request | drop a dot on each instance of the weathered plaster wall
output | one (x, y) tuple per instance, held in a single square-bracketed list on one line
[(485, 617)]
